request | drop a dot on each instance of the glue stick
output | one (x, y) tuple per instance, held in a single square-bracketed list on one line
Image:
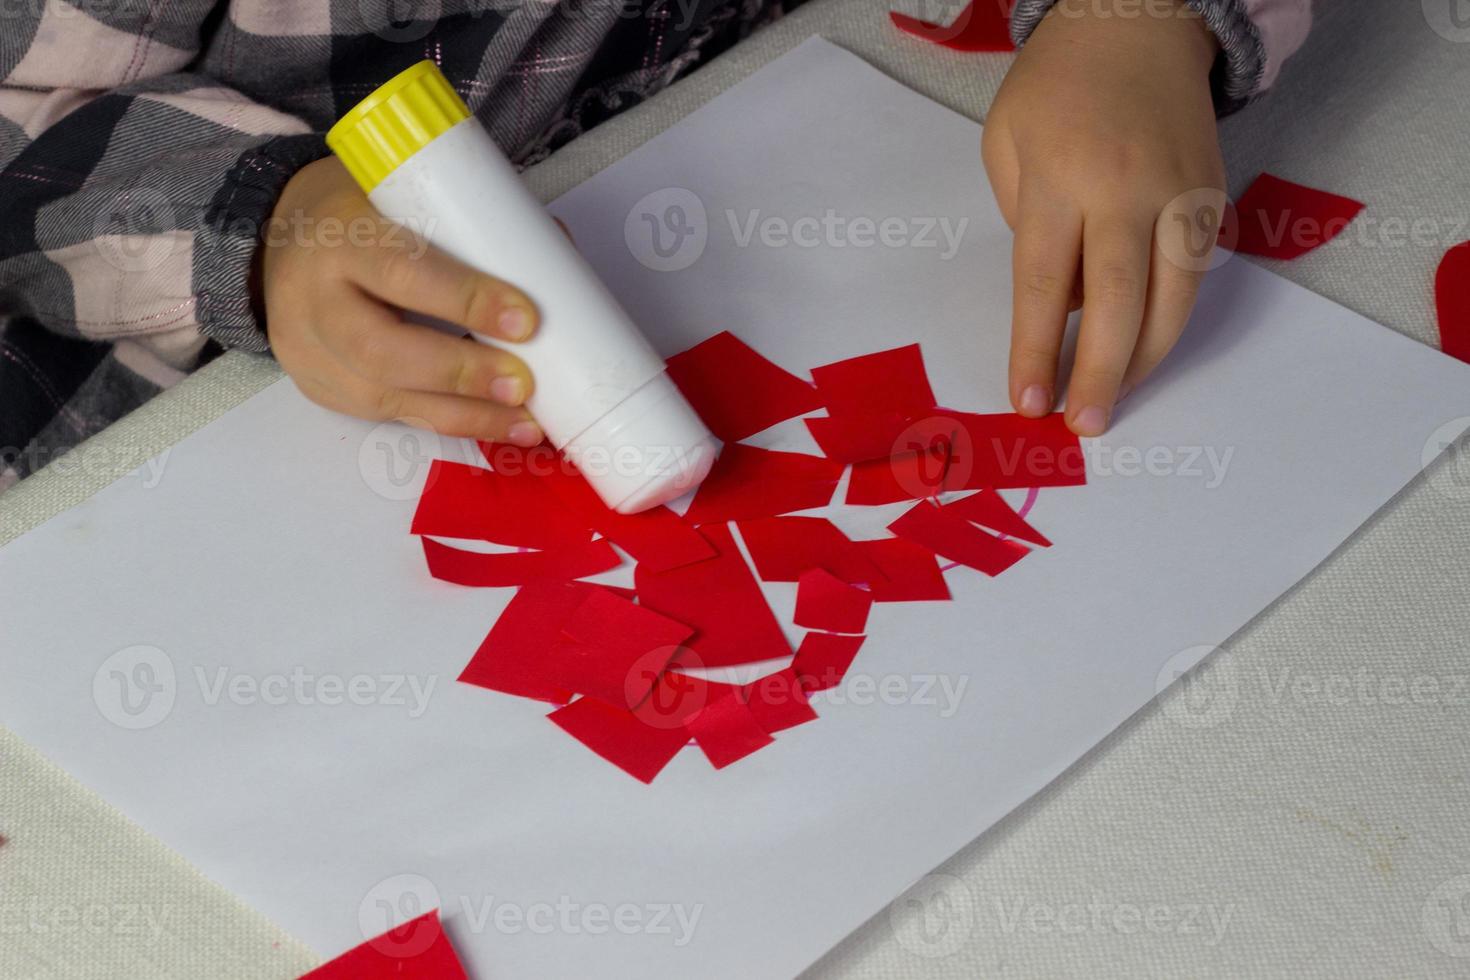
[(601, 394)]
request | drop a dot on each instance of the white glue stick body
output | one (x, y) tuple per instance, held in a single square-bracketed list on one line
[(601, 393)]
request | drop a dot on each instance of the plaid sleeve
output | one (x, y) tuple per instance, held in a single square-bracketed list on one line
[(133, 191)]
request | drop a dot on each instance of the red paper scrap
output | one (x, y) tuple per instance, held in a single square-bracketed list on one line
[(990, 509), (825, 602), (476, 568), (778, 701), (510, 659), (890, 381), (721, 600), (621, 737), (1281, 220), (462, 501), (613, 649), (853, 438), (737, 391), (784, 547), (415, 950), (1452, 301), (748, 482), (727, 731), (957, 539), (1005, 450), (910, 572), (658, 537), (677, 697), (982, 26), (912, 476), (823, 658)]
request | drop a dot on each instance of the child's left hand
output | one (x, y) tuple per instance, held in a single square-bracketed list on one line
[(1101, 149)]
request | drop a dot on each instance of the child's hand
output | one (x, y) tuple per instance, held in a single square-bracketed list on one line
[(1101, 125), (336, 277)]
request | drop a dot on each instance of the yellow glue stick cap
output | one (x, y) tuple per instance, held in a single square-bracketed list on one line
[(400, 118)]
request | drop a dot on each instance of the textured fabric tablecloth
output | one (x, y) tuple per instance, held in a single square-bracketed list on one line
[(1303, 808)]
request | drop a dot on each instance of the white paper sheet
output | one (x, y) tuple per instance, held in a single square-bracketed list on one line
[(275, 541)]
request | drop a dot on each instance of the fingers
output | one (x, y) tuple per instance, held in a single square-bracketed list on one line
[(1172, 290), (1116, 251), (375, 344), (452, 415), (1044, 266), (413, 275)]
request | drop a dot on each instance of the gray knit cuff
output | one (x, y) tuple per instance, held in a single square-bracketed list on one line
[(1236, 77)]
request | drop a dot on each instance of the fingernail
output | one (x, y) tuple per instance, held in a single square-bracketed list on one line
[(1035, 400), (508, 391), (515, 322), (1091, 421), (524, 434)]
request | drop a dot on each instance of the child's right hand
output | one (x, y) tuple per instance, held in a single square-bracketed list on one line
[(336, 277)]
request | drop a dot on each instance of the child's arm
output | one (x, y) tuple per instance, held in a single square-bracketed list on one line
[(1102, 152)]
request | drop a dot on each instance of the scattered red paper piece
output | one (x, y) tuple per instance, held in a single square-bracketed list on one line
[(1007, 451), (658, 537), (1452, 301), (825, 602), (1278, 219), (910, 571), (462, 501), (890, 381), (737, 391), (721, 599), (912, 476), (990, 509), (677, 697), (822, 659), (851, 438), (748, 482), (778, 701), (726, 731), (613, 650), (784, 547), (621, 737), (510, 657), (482, 570), (982, 26), (957, 539), (415, 950)]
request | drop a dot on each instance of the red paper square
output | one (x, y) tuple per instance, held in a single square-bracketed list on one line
[(956, 539), (511, 659), (613, 649), (984, 25), (621, 737), (462, 501), (1452, 301), (748, 482), (825, 602), (822, 659), (783, 547), (414, 950), (723, 602), (726, 731), (890, 381), (1278, 219), (778, 701), (737, 391), (910, 571)]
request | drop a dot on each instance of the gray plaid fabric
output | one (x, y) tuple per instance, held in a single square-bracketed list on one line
[(144, 144)]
